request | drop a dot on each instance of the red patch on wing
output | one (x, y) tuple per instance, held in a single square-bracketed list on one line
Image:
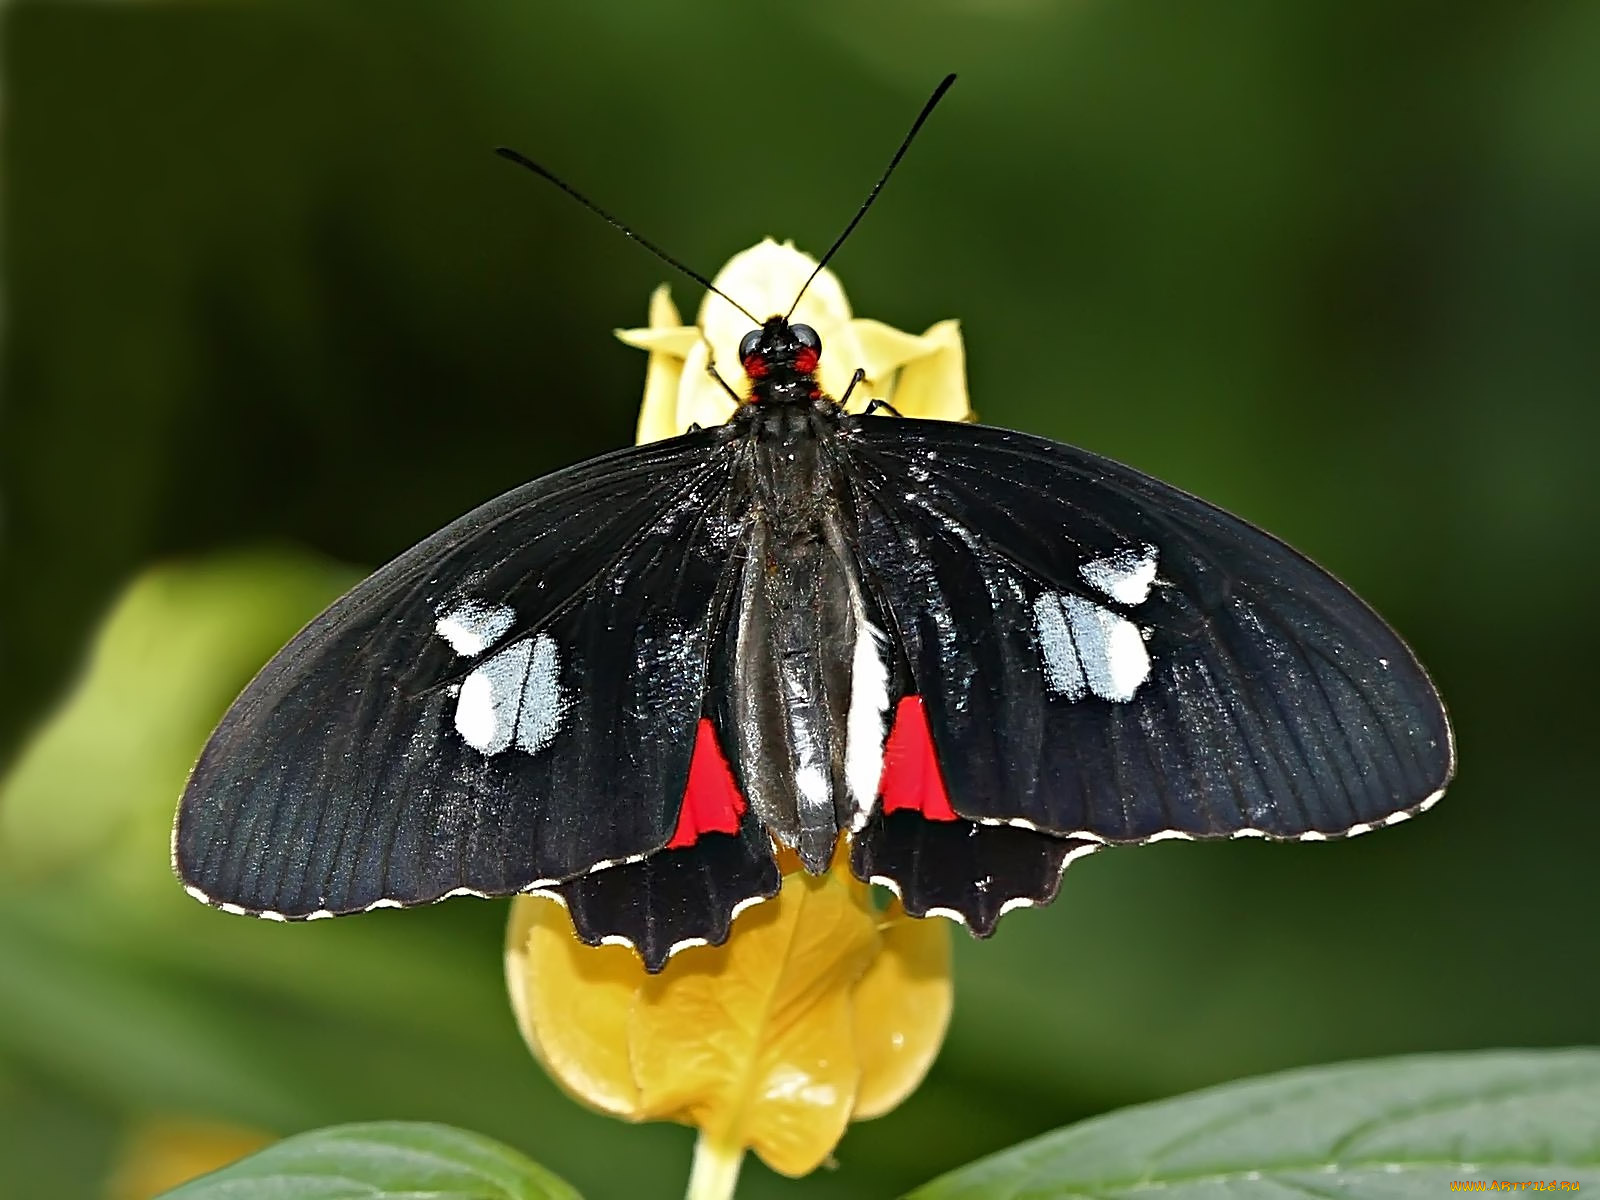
[(805, 361), (911, 775), (711, 802)]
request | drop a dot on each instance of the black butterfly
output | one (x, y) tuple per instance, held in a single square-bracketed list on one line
[(975, 654)]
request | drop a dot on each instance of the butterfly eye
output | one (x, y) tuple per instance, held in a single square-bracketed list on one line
[(747, 346), (807, 337)]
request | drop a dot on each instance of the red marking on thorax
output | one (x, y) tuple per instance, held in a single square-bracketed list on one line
[(755, 366), (911, 775), (711, 801), (805, 360)]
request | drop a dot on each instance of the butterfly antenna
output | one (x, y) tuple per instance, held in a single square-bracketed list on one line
[(544, 172), (927, 111)]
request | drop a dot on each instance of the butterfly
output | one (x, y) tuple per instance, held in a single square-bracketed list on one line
[(961, 656)]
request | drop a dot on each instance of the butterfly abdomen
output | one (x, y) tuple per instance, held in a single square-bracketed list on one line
[(802, 642)]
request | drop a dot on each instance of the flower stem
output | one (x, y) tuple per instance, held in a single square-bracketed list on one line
[(716, 1170)]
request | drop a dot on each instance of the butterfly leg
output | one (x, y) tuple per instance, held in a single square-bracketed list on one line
[(875, 405), (711, 370), (854, 379)]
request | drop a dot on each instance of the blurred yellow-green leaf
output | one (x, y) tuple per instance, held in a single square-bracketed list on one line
[(96, 785)]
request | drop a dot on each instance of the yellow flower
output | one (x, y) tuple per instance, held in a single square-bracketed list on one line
[(922, 376), (823, 1006), (819, 1009)]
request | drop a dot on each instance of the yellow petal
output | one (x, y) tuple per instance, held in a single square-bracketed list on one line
[(763, 1042), (701, 399), (921, 375), (878, 349), (765, 279), (841, 355), (572, 1003), (882, 349), (902, 1007), (935, 384), (673, 342), (668, 340), (754, 1040)]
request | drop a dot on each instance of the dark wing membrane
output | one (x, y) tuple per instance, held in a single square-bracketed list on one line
[(1104, 655), (961, 869), (512, 701), (675, 899)]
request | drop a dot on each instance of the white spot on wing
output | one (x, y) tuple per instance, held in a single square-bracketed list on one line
[(486, 710), (1125, 576), (1063, 670), (1087, 648), (864, 726), (514, 696), (473, 626), (542, 703)]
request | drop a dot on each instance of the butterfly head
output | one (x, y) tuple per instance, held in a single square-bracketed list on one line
[(780, 359)]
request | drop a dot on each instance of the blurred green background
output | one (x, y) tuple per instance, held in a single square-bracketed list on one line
[(275, 312)]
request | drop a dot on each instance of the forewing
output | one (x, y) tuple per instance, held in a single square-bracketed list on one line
[(1102, 655), (512, 701)]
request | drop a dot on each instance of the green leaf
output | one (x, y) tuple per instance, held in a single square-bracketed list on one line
[(381, 1161), (96, 785), (1387, 1129)]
